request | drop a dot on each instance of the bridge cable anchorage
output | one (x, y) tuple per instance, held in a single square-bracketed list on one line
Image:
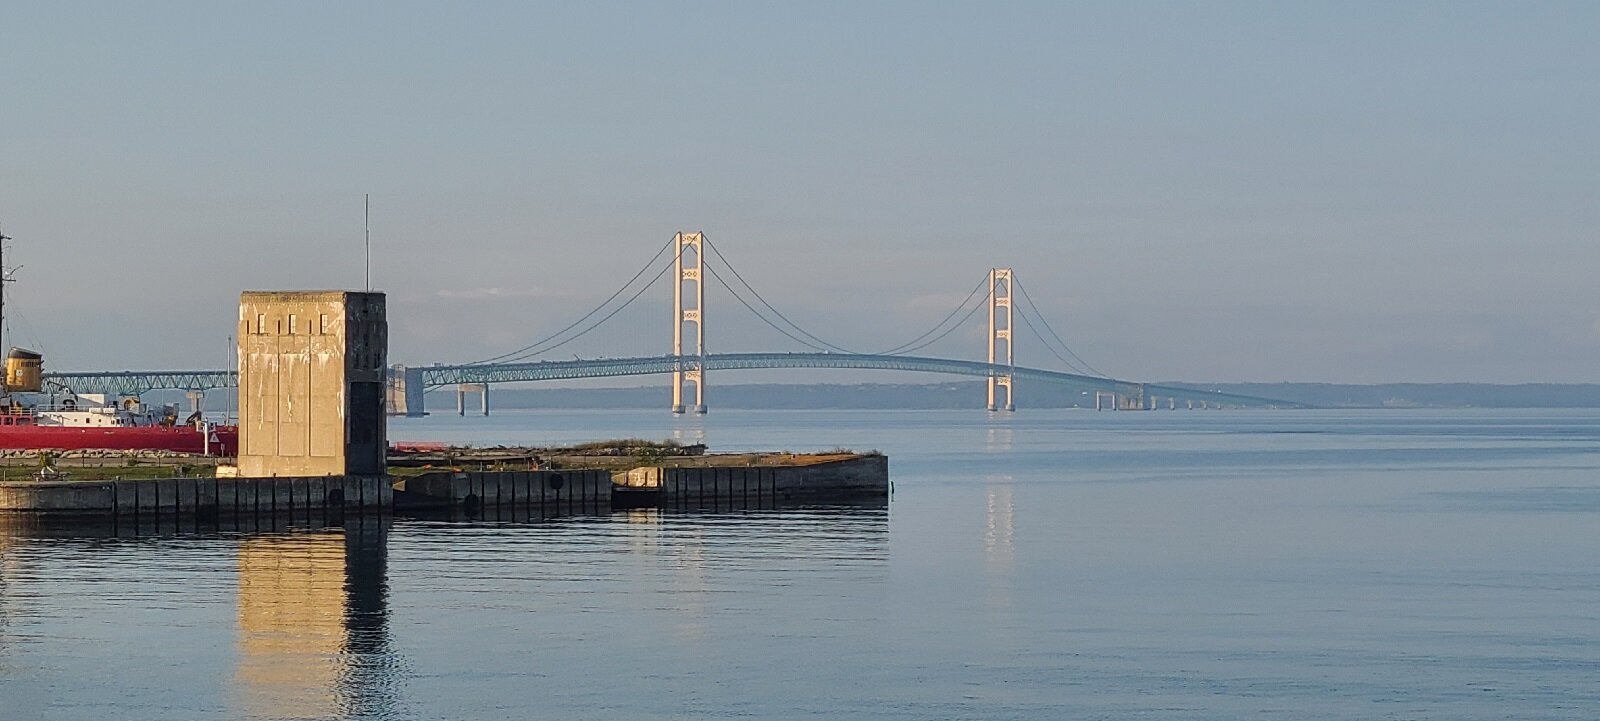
[(903, 347), (592, 326), (503, 356), (769, 306), (1046, 323)]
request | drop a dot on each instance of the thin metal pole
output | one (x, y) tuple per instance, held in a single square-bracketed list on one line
[(366, 223), (3, 240)]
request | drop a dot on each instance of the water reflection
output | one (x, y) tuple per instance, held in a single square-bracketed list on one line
[(998, 439), (692, 431), (294, 623), (999, 534), (310, 614), (644, 530), (313, 635)]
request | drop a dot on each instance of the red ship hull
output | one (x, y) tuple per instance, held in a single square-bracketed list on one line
[(176, 439)]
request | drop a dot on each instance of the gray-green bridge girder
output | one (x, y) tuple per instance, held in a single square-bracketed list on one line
[(434, 376)]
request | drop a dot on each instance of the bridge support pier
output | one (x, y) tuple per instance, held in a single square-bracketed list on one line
[(405, 394), (690, 375), (482, 389)]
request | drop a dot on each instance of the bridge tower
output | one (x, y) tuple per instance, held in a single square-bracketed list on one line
[(1000, 348), (689, 367)]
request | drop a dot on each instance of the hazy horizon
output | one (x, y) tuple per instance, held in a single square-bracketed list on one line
[(1354, 193)]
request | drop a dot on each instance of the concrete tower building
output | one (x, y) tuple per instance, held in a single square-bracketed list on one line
[(311, 383)]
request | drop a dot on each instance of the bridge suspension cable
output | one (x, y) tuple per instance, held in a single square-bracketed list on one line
[(783, 324), (535, 348), (911, 345), (735, 293), (815, 341), (1089, 369), (973, 312), (1074, 367), (769, 306), (597, 323)]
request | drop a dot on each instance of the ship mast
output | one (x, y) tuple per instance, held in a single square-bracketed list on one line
[(5, 387), (4, 278)]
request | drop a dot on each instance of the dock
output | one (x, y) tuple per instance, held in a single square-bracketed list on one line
[(313, 439), (685, 482), (196, 497)]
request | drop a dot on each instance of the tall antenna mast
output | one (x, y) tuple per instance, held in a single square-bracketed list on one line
[(5, 389), (367, 227), (4, 278)]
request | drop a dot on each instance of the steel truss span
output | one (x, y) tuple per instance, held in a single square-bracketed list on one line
[(136, 382), (133, 383)]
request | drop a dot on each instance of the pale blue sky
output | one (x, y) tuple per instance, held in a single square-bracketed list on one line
[(1341, 192)]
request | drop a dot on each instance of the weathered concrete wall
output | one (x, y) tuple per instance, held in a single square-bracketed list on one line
[(851, 479), (311, 383), (189, 496), (588, 490)]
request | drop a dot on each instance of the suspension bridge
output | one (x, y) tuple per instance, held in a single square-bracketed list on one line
[(691, 259)]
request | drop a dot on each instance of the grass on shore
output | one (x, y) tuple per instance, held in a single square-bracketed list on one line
[(106, 469)]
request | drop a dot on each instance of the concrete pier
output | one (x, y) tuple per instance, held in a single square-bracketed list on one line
[(366, 526), (747, 481), (190, 497), (482, 389), (757, 486), (564, 491)]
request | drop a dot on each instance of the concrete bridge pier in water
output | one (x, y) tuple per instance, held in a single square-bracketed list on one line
[(404, 389), (1114, 401), (482, 389)]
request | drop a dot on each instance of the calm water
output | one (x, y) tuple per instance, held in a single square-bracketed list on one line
[(1050, 565)]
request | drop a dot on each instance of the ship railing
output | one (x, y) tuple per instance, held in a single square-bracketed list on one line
[(66, 408)]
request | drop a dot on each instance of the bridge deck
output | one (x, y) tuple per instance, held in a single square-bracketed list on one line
[(138, 382)]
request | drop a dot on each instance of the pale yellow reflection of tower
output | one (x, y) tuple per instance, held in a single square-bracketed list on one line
[(291, 625), (644, 531), (998, 440), (690, 588), (689, 435), (999, 529)]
